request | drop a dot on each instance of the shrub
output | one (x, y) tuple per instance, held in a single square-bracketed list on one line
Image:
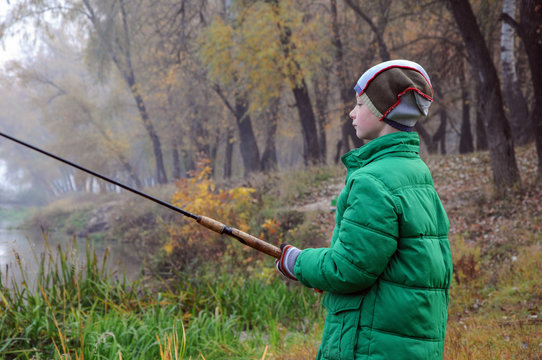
[(200, 195)]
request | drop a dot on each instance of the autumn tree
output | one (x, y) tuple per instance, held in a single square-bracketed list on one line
[(111, 38), (259, 50), (79, 114), (295, 75), (169, 82), (269, 156), (175, 82), (108, 30), (220, 50)]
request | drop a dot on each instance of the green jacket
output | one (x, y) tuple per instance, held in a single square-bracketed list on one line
[(388, 269)]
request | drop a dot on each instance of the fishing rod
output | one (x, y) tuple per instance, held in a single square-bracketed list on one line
[(209, 223)]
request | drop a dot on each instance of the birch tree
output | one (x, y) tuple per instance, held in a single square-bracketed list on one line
[(517, 106), (529, 29), (501, 146)]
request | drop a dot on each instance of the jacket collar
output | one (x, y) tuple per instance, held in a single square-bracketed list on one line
[(407, 143)]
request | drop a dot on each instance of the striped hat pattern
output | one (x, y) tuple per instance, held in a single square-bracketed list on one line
[(398, 92)]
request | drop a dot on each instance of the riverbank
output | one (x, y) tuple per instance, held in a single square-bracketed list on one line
[(145, 229), (234, 307), (12, 216)]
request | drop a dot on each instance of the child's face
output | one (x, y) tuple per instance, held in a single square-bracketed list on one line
[(367, 125)]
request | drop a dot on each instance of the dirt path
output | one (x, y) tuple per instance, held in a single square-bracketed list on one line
[(321, 200)]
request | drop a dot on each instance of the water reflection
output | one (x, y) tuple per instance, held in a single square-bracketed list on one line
[(21, 251)]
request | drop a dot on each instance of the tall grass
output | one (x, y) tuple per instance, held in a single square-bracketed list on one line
[(75, 310)]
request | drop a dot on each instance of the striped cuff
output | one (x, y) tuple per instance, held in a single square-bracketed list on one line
[(288, 259)]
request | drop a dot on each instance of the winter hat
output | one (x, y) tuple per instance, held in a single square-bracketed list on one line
[(398, 92)]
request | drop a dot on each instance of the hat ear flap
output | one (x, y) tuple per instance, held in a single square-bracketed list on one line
[(423, 103)]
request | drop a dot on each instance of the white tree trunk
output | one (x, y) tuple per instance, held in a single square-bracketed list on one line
[(517, 106)]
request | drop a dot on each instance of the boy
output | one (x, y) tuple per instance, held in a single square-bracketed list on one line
[(388, 269)]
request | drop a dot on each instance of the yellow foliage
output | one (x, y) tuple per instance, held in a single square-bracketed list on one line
[(200, 195), (271, 228), (264, 47), (168, 248)]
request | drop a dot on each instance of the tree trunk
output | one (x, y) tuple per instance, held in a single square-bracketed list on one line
[(200, 140), (440, 135), (129, 76), (481, 136), (176, 158), (426, 138), (126, 69), (311, 147), (213, 151), (531, 20), (161, 176), (228, 154), (517, 106), (269, 156), (247, 140), (321, 91), (501, 145), (465, 138), (346, 89), (130, 170)]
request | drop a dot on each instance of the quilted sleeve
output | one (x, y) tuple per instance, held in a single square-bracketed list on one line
[(367, 239)]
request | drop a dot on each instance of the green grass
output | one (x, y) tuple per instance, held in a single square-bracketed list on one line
[(76, 312)]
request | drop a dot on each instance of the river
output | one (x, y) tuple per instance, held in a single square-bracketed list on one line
[(22, 249)]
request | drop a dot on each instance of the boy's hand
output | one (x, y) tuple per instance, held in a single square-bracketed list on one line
[(287, 260)]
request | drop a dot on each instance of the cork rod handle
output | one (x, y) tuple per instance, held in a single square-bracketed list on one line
[(243, 237)]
